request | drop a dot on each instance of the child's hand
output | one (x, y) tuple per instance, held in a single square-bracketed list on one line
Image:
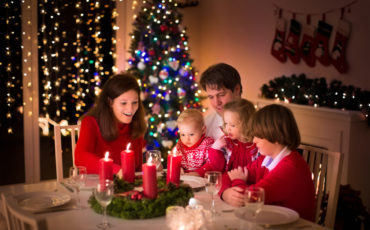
[(238, 173), (219, 143), (234, 196)]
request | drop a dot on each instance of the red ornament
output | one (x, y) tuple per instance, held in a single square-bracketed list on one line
[(151, 52), (163, 27)]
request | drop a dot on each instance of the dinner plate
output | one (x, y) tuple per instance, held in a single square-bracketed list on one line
[(269, 215), (37, 201), (195, 182)]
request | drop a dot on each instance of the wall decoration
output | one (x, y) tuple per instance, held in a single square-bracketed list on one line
[(314, 43)]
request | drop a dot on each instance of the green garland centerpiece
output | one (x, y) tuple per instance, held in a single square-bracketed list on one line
[(131, 204)]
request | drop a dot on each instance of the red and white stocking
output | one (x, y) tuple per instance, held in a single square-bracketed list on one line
[(291, 44), (306, 47), (277, 48), (321, 43), (338, 58)]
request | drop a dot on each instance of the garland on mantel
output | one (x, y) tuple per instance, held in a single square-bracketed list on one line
[(317, 93)]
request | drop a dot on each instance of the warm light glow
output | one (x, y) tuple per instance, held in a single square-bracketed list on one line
[(128, 146), (106, 157)]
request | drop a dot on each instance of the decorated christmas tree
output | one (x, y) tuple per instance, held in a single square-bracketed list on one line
[(161, 62)]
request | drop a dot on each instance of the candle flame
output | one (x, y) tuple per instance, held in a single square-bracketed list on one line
[(174, 152), (128, 146), (106, 155)]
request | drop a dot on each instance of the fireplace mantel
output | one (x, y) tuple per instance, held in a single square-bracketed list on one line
[(337, 130)]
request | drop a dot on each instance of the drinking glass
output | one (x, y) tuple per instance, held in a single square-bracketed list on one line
[(104, 194), (77, 178), (154, 156), (254, 198), (213, 185)]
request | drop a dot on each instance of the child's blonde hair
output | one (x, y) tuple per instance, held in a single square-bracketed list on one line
[(191, 115), (276, 123), (245, 109)]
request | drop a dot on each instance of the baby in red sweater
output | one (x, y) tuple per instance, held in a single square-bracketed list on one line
[(280, 171), (193, 145)]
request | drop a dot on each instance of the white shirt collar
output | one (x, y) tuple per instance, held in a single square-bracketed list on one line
[(271, 163)]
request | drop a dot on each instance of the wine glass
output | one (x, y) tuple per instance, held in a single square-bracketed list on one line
[(254, 198), (77, 178), (213, 185), (154, 156), (104, 194)]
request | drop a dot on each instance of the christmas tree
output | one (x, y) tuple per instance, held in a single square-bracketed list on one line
[(161, 62)]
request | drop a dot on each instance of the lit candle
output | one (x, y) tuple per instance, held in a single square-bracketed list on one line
[(128, 164), (106, 168), (150, 179), (173, 167)]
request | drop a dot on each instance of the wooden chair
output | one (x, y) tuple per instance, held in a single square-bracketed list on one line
[(326, 168), (19, 219), (74, 131)]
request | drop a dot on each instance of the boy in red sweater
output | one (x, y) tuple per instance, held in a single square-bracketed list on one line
[(281, 171), (193, 145)]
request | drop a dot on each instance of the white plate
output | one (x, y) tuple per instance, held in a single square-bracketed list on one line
[(37, 201), (195, 182), (269, 215)]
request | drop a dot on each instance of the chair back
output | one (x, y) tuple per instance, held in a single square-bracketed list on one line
[(19, 219), (73, 131), (326, 168)]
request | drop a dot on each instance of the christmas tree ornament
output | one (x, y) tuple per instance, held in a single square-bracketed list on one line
[(153, 80), (171, 124), (291, 45), (306, 47), (156, 108), (167, 143), (277, 48), (174, 65), (321, 42), (338, 57), (181, 93), (163, 74), (183, 72), (163, 27), (141, 65)]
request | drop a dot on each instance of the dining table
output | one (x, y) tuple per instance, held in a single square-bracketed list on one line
[(85, 218)]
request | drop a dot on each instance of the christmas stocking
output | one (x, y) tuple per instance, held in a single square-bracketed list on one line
[(291, 45), (340, 43), (321, 43), (306, 45), (277, 49)]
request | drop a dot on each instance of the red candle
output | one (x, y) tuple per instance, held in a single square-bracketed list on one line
[(106, 168), (128, 164), (150, 180), (173, 167)]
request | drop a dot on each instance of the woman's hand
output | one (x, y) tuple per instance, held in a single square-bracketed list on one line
[(238, 173), (234, 196)]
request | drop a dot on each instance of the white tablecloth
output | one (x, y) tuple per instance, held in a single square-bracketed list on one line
[(87, 219)]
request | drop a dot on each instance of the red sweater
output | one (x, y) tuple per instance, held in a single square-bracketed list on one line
[(91, 146), (195, 158), (289, 184), (242, 153)]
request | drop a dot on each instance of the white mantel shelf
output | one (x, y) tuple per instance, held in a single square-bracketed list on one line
[(337, 130)]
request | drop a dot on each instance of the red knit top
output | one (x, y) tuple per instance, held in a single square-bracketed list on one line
[(91, 146), (289, 184), (195, 158)]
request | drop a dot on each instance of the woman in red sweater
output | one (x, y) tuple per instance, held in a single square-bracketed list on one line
[(116, 119), (281, 171)]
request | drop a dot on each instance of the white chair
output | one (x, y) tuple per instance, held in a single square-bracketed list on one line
[(19, 219), (73, 130), (326, 168)]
